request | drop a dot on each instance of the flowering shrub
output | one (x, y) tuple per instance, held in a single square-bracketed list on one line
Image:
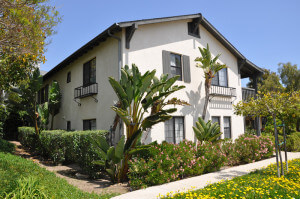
[(169, 162), (250, 148)]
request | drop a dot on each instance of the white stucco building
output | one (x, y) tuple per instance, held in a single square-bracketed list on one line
[(169, 45)]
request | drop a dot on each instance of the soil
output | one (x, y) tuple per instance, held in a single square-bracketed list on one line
[(72, 173)]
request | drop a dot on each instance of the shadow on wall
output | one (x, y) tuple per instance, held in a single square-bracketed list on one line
[(196, 102), (220, 103)]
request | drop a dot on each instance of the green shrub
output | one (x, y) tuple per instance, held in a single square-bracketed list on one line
[(293, 142), (169, 162), (27, 137), (71, 147), (250, 148), (6, 147), (228, 148), (16, 172)]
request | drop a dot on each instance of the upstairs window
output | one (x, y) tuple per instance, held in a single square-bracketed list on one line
[(89, 72), (89, 124), (69, 77), (220, 78), (176, 64), (174, 130), (193, 30)]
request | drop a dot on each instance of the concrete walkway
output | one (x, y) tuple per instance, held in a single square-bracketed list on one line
[(201, 181)]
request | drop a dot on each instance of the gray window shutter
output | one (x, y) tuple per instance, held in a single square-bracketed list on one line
[(166, 63), (186, 69)]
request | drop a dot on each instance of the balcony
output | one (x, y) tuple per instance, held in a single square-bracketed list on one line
[(222, 91), (248, 93), (85, 91)]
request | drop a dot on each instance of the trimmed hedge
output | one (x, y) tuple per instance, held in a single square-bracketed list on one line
[(64, 147), (6, 147)]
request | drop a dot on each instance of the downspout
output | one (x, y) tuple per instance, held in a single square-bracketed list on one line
[(119, 73), (119, 52)]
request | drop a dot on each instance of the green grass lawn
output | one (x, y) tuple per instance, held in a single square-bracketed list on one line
[(259, 184), (23, 177)]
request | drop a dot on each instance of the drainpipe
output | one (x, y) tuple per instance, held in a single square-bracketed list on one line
[(119, 52), (119, 73)]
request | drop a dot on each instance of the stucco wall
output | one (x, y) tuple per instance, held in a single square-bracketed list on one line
[(145, 51), (106, 65)]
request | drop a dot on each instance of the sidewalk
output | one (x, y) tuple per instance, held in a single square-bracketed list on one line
[(199, 182)]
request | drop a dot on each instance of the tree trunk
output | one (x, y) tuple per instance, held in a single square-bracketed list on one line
[(285, 151), (207, 87), (276, 145), (35, 118)]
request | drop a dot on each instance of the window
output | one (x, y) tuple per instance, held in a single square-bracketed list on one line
[(174, 130), (89, 124), (89, 72), (193, 30), (68, 125), (220, 78), (215, 119), (227, 127), (69, 77), (176, 64), (43, 94)]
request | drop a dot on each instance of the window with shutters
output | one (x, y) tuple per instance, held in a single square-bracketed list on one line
[(227, 127), (221, 78), (176, 64), (89, 124), (174, 130), (89, 72)]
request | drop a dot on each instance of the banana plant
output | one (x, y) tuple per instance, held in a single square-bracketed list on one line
[(207, 131), (142, 104)]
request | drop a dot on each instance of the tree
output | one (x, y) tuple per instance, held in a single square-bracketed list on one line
[(210, 67), (290, 76), (283, 106), (54, 101), (138, 94), (206, 131), (24, 26), (43, 111)]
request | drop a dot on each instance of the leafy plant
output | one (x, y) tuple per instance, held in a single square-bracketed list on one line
[(210, 67), (206, 131), (137, 95), (54, 100), (43, 111)]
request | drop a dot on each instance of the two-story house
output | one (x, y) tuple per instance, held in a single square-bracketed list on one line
[(169, 45)]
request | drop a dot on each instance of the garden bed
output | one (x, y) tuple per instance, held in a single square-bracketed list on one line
[(262, 183)]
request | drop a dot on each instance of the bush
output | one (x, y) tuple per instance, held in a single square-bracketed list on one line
[(250, 148), (293, 142), (64, 147), (169, 162), (6, 147), (27, 137), (71, 147), (228, 148)]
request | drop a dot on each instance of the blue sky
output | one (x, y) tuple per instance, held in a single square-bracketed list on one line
[(267, 32)]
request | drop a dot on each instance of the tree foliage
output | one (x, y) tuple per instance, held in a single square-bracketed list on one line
[(210, 67), (24, 27), (290, 76), (54, 100)]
